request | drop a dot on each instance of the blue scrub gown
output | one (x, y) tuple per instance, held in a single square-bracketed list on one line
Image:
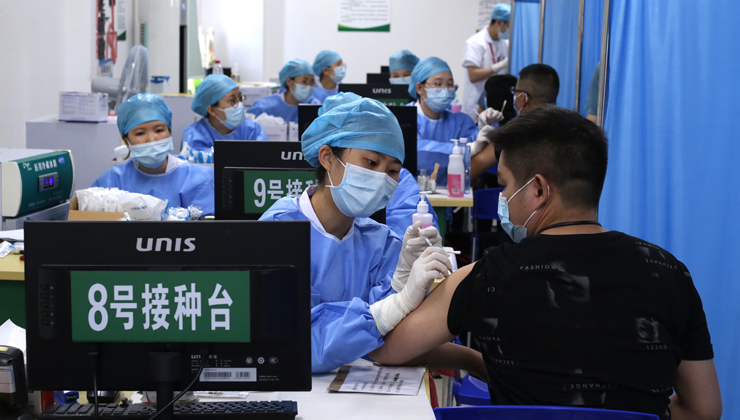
[(201, 135), (347, 276), (433, 140), (276, 106), (182, 186), (403, 204), (320, 94)]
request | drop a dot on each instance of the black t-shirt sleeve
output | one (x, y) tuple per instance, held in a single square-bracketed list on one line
[(696, 343), (465, 308)]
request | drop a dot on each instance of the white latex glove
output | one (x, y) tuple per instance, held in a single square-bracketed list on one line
[(431, 265), (489, 117), (500, 65), (413, 245)]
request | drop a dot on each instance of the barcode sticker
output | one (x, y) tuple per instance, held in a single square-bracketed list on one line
[(229, 375)]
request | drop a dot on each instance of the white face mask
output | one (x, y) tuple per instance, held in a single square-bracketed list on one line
[(517, 110), (302, 92)]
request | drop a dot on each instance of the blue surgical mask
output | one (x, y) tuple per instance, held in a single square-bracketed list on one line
[(440, 99), (362, 191), (339, 73), (516, 110), (234, 116), (504, 35), (302, 92), (516, 233), (400, 80), (151, 154)]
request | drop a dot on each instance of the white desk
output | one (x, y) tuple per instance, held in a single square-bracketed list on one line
[(442, 199), (322, 404)]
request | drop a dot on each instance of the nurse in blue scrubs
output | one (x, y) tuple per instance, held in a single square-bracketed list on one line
[(330, 70), (219, 101), (296, 78), (364, 278), (434, 88), (145, 122)]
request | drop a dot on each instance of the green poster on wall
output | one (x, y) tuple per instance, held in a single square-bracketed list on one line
[(365, 15)]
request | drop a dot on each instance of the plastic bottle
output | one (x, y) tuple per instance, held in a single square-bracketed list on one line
[(422, 213), (217, 68), (235, 72), (456, 172), (465, 146)]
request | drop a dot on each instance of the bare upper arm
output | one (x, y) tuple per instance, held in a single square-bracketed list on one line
[(697, 389), (423, 329), (484, 160)]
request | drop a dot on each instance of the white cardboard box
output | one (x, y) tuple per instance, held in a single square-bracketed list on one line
[(253, 93), (83, 107), (276, 132), (293, 131)]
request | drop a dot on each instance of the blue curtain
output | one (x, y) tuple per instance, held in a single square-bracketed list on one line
[(673, 123), (560, 49), (526, 34), (593, 18)]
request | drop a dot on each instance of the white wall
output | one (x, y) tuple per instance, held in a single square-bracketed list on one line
[(46, 47), (426, 28), (163, 17), (239, 29)]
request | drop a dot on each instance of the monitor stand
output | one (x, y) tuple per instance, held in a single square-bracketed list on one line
[(165, 371)]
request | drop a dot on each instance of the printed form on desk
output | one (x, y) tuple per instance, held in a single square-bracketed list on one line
[(392, 380)]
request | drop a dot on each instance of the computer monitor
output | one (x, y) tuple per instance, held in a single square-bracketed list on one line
[(251, 176), (378, 78), (149, 305), (387, 94), (406, 116), (385, 69)]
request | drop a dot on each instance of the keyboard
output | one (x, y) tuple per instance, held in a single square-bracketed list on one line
[(272, 410)]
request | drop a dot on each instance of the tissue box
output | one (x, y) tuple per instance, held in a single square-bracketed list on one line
[(252, 93), (83, 107), (276, 132)]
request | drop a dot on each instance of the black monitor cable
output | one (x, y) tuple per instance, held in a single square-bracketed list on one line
[(178, 396)]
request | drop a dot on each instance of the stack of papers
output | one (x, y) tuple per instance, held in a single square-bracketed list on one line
[(391, 380)]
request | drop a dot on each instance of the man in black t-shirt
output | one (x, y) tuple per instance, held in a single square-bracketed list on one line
[(570, 314)]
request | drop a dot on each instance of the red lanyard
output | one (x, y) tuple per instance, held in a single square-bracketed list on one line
[(493, 56)]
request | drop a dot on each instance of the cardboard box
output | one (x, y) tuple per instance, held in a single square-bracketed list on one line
[(76, 214), (276, 132), (293, 131), (253, 93), (83, 107)]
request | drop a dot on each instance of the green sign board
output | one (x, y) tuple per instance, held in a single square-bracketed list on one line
[(263, 188), (160, 306)]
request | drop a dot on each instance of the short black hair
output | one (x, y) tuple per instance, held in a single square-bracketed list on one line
[(321, 172), (568, 150), (544, 80)]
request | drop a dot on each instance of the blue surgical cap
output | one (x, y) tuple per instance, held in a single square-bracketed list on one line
[(294, 68), (502, 11), (324, 59), (142, 108), (403, 59), (362, 124), (210, 90), (340, 98), (425, 69)]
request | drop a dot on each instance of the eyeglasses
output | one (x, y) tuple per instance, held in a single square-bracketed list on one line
[(514, 91), (233, 103), (308, 81), (440, 85)]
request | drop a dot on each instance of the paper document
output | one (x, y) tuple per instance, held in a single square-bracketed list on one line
[(378, 380), (12, 235)]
